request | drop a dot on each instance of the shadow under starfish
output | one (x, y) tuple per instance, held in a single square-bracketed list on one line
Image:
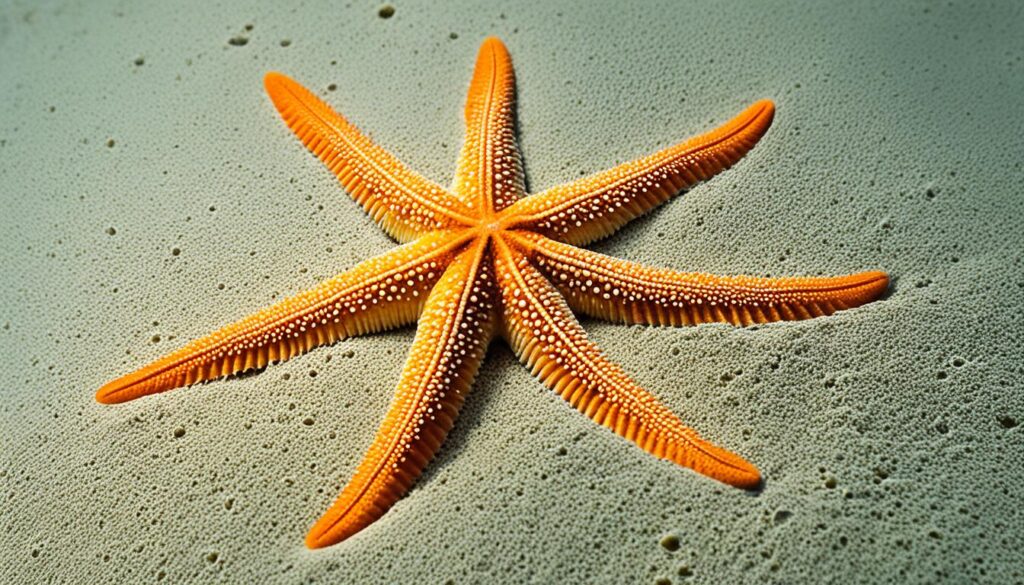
[(484, 259)]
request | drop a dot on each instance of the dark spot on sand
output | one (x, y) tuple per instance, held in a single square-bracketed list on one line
[(1007, 421), (670, 542)]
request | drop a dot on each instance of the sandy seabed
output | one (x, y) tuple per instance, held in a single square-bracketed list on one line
[(150, 193)]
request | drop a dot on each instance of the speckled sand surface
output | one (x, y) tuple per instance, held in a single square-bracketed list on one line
[(150, 193)]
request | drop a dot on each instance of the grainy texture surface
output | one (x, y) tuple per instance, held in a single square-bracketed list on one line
[(150, 194)]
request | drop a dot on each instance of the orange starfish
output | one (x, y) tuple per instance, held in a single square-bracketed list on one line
[(483, 259)]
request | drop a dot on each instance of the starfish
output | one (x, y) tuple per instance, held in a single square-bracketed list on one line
[(482, 259)]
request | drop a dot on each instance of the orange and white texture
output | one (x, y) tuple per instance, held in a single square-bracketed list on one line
[(484, 259)]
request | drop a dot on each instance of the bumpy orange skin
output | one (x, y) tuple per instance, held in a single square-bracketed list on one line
[(484, 259)]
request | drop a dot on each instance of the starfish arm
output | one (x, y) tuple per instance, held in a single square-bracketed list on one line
[(617, 290), (544, 334), (402, 202), (595, 207), (380, 293), (490, 172), (452, 338)]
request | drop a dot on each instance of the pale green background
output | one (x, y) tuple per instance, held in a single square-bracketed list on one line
[(886, 434)]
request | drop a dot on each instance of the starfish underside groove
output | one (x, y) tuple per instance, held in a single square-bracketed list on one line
[(483, 259)]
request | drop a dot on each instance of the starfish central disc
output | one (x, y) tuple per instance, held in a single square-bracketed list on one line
[(483, 259)]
